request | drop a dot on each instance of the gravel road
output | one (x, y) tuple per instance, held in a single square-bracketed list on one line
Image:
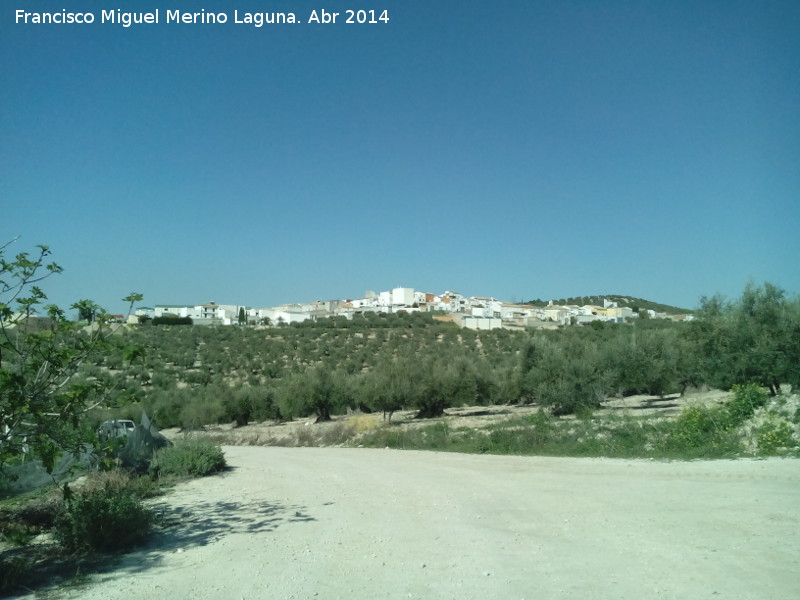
[(362, 524)]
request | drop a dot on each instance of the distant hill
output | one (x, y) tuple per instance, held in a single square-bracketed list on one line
[(630, 301)]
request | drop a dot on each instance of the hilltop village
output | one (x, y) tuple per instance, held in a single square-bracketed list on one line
[(472, 312)]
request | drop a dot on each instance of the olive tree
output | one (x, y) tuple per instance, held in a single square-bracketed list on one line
[(751, 339)]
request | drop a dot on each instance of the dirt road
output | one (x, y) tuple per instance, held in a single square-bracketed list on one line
[(362, 524)]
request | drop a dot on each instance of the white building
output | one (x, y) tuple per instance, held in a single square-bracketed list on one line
[(174, 310), (474, 322), (209, 313), (403, 296), (365, 302), (557, 314), (454, 302), (516, 312), (289, 317)]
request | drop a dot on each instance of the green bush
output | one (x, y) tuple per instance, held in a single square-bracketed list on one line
[(188, 458), (106, 519), (773, 437), (172, 320), (700, 432), (746, 399), (695, 427)]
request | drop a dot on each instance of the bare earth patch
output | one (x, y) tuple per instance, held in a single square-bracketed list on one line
[(363, 524)]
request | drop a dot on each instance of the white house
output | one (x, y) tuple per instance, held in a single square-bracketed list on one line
[(402, 296), (224, 314), (175, 310), (363, 302), (454, 302), (557, 314), (208, 313), (516, 312)]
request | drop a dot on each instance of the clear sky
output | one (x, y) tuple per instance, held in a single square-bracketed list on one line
[(517, 149)]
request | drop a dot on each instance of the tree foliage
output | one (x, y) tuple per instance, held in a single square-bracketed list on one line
[(194, 376), (753, 339), (41, 351), (172, 320)]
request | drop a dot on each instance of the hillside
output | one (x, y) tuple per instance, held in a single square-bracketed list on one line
[(630, 301)]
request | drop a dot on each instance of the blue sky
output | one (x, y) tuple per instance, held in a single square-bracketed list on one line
[(518, 149)]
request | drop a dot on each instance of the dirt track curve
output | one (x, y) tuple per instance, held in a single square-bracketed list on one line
[(337, 523)]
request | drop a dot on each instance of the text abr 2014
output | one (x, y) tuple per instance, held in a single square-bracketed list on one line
[(256, 19)]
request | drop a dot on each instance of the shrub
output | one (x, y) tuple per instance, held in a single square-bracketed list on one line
[(172, 320), (105, 519), (746, 399), (774, 436), (700, 432), (695, 427), (188, 458), (121, 480)]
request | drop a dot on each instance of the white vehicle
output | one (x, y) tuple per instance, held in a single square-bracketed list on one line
[(116, 428)]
